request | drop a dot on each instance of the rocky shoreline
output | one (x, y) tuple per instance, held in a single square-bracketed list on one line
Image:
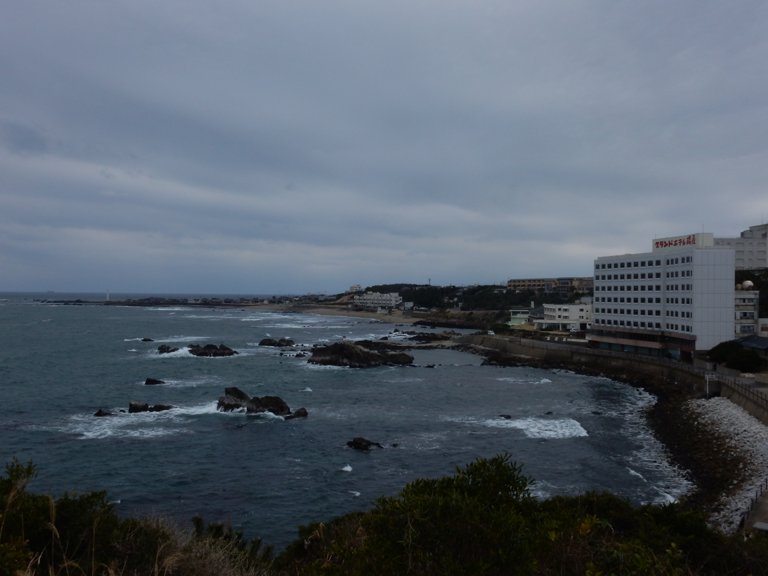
[(721, 448), (747, 438)]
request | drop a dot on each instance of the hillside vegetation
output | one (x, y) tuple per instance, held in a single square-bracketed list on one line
[(481, 520)]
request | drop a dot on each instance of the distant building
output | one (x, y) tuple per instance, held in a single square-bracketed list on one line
[(354, 289), (377, 300), (747, 310), (751, 247), (563, 286), (672, 301), (519, 316)]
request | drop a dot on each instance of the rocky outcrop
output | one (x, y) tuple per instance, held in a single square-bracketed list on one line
[(300, 413), (153, 381), (358, 355), (100, 413), (135, 407), (277, 343), (211, 350), (235, 399), (208, 350), (360, 443)]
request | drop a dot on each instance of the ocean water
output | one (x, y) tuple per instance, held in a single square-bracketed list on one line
[(264, 475)]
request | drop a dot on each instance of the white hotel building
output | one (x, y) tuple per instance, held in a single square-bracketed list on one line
[(751, 247), (672, 301)]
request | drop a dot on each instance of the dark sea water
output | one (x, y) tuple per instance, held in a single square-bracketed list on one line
[(266, 476)]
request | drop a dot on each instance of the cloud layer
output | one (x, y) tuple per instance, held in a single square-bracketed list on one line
[(272, 146)]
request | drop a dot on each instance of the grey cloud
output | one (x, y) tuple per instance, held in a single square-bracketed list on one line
[(22, 139), (332, 144)]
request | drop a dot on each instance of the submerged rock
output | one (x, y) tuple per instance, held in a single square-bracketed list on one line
[(153, 381), (135, 407), (166, 349)]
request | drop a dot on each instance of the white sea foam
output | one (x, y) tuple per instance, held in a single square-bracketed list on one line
[(192, 383), (312, 366), (635, 473), (425, 441), (182, 338), (542, 427), (347, 468), (144, 425), (266, 416), (354, 493), (182, 352), (515, 380), (199, 409)]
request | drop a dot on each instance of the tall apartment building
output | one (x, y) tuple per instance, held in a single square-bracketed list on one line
[(751, 247), (671, 301)]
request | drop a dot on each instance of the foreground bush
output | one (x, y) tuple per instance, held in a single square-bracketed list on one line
[(483, 520), (82, 534), (480, 521)]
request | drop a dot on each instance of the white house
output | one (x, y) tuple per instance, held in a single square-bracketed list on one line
[(566, 317)]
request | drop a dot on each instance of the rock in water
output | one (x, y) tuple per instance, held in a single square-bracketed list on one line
[(281, 343), (235, 399), (360, 443), (135, 407), (211, 350), (356, 355)]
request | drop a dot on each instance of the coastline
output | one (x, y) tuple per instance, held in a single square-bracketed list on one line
[(720, 447), (396, 317)]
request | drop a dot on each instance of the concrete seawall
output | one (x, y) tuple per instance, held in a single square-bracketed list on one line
[(613, 364), (745, 392)]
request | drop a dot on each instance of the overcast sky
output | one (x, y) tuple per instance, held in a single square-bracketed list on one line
[(290, 146)]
